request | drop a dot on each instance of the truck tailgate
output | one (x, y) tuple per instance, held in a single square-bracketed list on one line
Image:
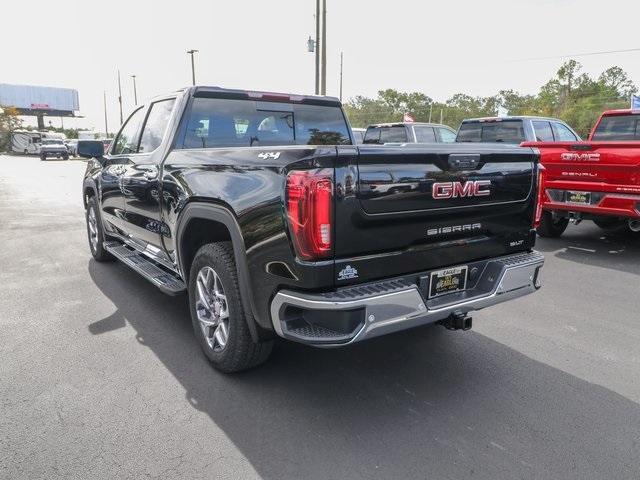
[(414, 208), (606, 165)]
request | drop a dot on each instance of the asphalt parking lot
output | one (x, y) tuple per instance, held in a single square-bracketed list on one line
[(100, 376)]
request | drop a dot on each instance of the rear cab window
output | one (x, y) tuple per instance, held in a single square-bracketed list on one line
[(395, 134), (223, 122), (618, 128), (492, 131)]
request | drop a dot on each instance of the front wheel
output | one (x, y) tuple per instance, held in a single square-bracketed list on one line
[(551, 226), (95, 232), (218, 317), (43, 157)]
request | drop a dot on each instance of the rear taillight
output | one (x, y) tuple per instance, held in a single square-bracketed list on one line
[(310, 211), (540, 197)]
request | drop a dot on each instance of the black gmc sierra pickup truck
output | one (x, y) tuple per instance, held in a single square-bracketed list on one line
[(263, 210)]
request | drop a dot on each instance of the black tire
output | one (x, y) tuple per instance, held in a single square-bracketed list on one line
[(65, 157), (43, 157), (551, 227), (97, 248), (240, 352), (608, 223)]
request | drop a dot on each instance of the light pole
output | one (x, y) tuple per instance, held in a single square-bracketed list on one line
[(318, 46), (323, 79), (193, 67), (341, 58), (106, 126), (135, 91), (120, 96)]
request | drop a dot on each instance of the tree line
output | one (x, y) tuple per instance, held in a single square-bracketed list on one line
[(570, 95)]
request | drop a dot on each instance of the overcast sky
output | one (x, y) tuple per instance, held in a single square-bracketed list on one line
[(436, 47)]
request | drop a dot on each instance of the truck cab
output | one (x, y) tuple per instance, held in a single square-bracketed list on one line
[(408, 132), (515, 130)]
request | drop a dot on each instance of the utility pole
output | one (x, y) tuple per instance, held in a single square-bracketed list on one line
[(135, 92), (441, 116), (193, 66), (120, 96), (341, 59), (430, 111), (106, 127), (323, 80), (318, 45)]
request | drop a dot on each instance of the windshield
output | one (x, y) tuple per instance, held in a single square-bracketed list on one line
[(217, 122), (618, 128), (501, 131), (53, 142)]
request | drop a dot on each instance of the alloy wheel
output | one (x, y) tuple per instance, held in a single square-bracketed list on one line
[(212, 309)]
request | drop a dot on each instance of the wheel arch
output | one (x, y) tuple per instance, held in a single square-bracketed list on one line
[(221, 225)]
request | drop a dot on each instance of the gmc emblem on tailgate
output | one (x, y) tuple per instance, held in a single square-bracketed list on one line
[(472, 188), (580, 157)]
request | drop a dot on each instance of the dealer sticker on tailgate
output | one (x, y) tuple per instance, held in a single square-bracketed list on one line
[(448, 280)]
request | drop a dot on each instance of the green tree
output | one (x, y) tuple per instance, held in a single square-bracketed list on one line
[(9, 121)]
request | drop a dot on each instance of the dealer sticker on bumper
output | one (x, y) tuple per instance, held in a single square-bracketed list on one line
[(448, 280)]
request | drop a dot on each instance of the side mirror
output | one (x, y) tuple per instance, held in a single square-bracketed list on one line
[(90, 148)]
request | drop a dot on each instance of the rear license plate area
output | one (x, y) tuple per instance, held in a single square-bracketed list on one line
[(448, 280), (579, 198)]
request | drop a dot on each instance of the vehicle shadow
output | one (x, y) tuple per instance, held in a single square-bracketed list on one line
[(420, 404), (591, 245)]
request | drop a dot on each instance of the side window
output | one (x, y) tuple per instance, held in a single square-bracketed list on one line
[(563, 134), (543, 131), (372, 135), (156, 125), (127, 140), (424, 134), (396, 134), (445, 135)]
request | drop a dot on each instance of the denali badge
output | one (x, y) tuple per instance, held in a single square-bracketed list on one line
[(580, 157), (347, 272), (472, 188), (272, 155), (470, 227)]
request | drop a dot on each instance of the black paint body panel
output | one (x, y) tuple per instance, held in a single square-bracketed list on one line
[(147, 198)]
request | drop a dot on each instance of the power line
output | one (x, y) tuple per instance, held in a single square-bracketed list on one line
[(585, 54)]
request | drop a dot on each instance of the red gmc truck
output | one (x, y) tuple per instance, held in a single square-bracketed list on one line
[(597, 180)]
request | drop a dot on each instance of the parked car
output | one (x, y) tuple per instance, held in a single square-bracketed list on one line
[(72, 146), (251, 203), (515, 130), (358, 135), (409, 132), (53, 148), (595, 180)]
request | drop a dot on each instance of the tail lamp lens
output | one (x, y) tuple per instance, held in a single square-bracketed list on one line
[(309, 212), (540, 197)]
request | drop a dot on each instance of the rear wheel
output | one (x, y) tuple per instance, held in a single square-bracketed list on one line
[(608, 223), (552, 226), (43, 157), (65, 157), (95, 232), (218, 317)]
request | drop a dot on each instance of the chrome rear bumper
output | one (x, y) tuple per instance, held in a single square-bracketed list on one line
[(370, 310)]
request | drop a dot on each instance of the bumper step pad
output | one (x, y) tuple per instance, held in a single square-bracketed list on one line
[(161, 278)]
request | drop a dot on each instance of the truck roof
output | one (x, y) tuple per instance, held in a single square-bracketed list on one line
[(400, 124), (620, 111), (219, 92), (510, 117)]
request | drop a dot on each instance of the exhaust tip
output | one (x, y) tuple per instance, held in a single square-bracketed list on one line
[(634, 225)]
